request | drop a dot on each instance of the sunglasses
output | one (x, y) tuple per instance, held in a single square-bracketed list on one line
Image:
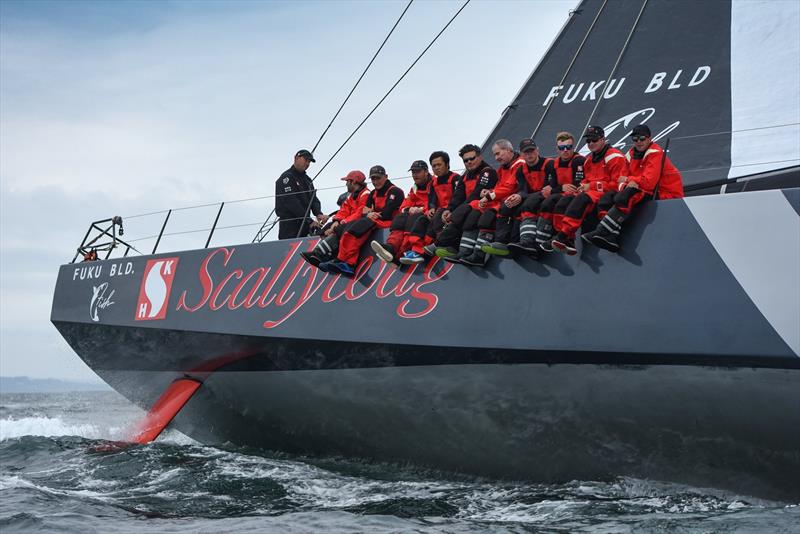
[(564, 148), (638, 137), (592, 139), (467, 160)]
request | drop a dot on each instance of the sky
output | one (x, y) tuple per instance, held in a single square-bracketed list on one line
[(134, 107)]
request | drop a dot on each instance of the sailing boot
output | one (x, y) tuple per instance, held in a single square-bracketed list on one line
[(322, 252), (563, 243), (527, 237), (544, 234), (478, 257), (606, 235), (465, 247)]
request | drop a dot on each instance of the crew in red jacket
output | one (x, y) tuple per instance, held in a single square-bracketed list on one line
[(412, 210), (383, 203), (491, 199), (563, 176), (427, 229), (649, 169), (530, 180), (602, 171), (461, 218), (350, 210)]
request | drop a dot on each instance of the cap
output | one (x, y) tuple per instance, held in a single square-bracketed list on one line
[(642, 129), (305, 154), (594, 131), (419, 165), (527, 144), (356, 176), (377, 170)]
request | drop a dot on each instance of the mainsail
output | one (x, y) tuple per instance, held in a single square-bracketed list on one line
[(719, 78)]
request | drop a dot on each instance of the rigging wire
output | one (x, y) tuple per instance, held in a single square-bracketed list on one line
[(261, 234), (374, 109), (571, 63), (614, 69), (693, 136), (362, 75)]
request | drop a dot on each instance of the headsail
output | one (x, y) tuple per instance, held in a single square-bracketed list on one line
[(720, 78)]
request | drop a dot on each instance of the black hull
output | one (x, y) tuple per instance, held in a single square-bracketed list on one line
[(671, 361)]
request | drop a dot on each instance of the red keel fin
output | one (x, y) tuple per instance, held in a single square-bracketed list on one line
[(164, 410)]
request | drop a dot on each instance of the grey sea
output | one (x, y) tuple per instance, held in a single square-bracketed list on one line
[(57, 476)]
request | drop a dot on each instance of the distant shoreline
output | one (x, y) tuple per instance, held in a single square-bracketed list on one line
[(25, 384)]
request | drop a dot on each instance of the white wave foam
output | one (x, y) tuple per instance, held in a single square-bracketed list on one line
[(52, 427)]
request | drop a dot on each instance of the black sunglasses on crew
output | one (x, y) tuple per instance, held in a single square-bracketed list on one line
[(592, 139), (564, 148), (638, 137), (467, 160)]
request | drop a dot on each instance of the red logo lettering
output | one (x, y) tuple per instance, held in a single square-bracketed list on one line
[(155, 289)]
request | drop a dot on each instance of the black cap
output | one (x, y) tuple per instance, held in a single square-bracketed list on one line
[(419, 165), (377, 170), (305, 154), (594, 131), (642, 129), (527, 144)]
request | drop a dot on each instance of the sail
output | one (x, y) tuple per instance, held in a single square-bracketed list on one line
[(719, 78)]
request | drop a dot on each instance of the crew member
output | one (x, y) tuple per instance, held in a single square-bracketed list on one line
[(424, 233), (382, 205), (602, 172), (295, 197), (462, 213), (563, 176), (355, 198), (649, 169), (412, 212), (530, 179)]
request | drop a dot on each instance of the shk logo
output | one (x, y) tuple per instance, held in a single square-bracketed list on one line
[(155, 289)]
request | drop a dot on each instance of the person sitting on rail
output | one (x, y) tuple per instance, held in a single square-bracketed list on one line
[(602, 172), (355, 198), (412, 212), (492, 198), (427, 229), (651, 174), (382, 205), (530, 179), (563, 176), (462, 221)]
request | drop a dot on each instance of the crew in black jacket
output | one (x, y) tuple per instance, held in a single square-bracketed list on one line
[(294, 190)]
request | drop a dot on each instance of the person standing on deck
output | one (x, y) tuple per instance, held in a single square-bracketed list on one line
[(382, 205), (352, 208), (294, 191), (602, 172), (648, 168)]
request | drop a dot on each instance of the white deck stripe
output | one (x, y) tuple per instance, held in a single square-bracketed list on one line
[(757, 235)]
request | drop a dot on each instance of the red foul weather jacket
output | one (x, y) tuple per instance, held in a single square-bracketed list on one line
[(386, 201), (468, 188), (442, 190), (531, 179), (644, 168), (564, 171), (417, 196), (353, 206), (603, 169), (506, 182)]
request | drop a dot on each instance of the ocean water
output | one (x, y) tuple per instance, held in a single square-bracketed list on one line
[(55, 477)]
